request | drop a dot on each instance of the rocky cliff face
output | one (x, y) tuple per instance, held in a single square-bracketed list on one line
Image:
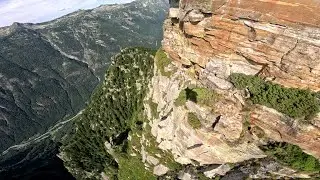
[(208, 41), (277, 39)]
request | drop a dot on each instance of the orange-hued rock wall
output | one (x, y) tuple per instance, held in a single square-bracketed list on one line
[(281, 38), (278, 40)]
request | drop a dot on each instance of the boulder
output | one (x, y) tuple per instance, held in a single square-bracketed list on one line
[(160, 170)]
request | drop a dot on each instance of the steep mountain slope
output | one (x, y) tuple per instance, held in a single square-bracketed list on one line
[(93, 36), (39, 86), (49, 70)]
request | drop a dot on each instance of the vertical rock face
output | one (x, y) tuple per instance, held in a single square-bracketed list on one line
[(206, 145), (278, 40)]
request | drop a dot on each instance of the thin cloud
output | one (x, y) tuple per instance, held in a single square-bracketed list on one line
[(35, 11)]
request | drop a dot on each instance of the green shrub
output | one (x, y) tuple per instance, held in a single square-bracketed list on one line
[(293, 156), (182, 98), (205, 96), (194, 121), (293, 102), (162, 61), (154, 107), (132, 168), (202, 96)]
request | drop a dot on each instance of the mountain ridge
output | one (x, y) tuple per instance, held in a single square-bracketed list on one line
[(49, 70)]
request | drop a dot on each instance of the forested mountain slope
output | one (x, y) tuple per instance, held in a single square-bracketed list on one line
[(49, 70), (116, 107)]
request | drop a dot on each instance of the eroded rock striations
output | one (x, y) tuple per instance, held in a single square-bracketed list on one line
[(208, 40), (271, 37)]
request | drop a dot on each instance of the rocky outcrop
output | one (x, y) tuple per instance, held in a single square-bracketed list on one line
[(212, 39), (206, 145), (160, 170), (221, 170), (227, 141), (273, 37), (282, 128)]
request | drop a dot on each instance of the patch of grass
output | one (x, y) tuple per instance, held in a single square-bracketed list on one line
[(132, 168), (162, 61), (293, 156), (154, 107), (194, 121), (182, 98), (205, 96), (202, 96), (295, 103)]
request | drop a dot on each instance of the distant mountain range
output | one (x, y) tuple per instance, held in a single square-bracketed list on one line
[(49, 70)]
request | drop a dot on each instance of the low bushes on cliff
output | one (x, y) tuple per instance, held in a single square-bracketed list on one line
[(153, 107), (162, 61), (295, 103), (194, 121), (202, 96), (293, 156)]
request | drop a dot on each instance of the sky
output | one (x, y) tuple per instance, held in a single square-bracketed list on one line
[(36, 11)]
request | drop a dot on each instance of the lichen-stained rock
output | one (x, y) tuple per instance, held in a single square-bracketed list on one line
[(284, 129), (207, 145), (221, 170), (195, 16), (204, 6), (160, 170), (279, 38), (217, 72)]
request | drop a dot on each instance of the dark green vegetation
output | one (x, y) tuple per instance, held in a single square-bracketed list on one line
[(202, 96), (194, 121), (154, 107), (296, 103), (49, 70), (115, 107), (293, 156), (162, 61)]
